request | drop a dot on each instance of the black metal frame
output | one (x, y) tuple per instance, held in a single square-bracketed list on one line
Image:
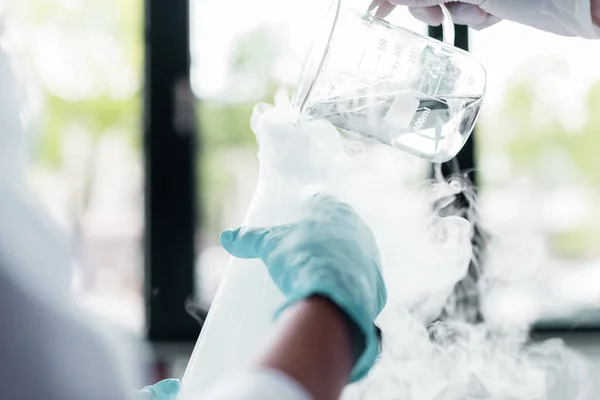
[(170, 159)]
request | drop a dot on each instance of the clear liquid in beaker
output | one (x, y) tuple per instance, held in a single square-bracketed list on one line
[(426, 127)]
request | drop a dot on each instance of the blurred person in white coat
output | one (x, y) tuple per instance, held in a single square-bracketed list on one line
[(49, 348)]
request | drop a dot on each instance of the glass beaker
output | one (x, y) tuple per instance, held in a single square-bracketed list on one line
[(403, 89)]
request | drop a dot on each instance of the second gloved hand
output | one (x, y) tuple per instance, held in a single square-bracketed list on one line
[(332, 253), (167, 389), (562, 17)]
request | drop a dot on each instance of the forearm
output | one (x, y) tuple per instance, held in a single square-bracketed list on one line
[(595, 4), (313, 346)]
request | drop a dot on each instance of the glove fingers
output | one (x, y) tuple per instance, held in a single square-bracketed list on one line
[(418, 3), (384, 9), (462, 14), (430, 15), (467, 14), (430, 3), (489, 21), (243, 242)]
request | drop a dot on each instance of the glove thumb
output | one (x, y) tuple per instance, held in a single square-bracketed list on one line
[(244, 242), (167, 389)]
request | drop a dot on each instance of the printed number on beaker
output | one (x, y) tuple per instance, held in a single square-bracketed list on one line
[(412, 57), (382, 44)]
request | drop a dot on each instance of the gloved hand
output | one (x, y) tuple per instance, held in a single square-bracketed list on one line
[(562, 17), (167, 389), (331, 252)]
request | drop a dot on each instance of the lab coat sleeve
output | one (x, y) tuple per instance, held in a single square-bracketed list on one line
[(50, 349), (48, 353), (258, 384)]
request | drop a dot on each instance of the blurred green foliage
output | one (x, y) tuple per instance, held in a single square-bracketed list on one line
[(576, 243), (100, 112), (224, 121), (97, 116), (530, 138)]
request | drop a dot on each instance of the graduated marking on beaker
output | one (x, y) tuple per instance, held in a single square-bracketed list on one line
[(383, 70), (401, 65), (440, 72), (369, 62), (437, 87), (470, 85), (397, 54), (456, 72), (382, 45), (412, 56)]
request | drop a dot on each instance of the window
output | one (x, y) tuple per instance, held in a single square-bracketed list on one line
[(538, 140)]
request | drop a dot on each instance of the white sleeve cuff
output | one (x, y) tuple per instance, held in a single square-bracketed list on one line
[(258, 384)]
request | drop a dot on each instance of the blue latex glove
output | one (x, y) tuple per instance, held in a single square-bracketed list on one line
[(331, 253), (167, 389)]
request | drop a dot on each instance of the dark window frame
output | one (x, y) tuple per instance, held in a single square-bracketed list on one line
[(170, 149)]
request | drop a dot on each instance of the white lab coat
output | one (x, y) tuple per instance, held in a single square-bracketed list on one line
[(50, 349), (258, 384)]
